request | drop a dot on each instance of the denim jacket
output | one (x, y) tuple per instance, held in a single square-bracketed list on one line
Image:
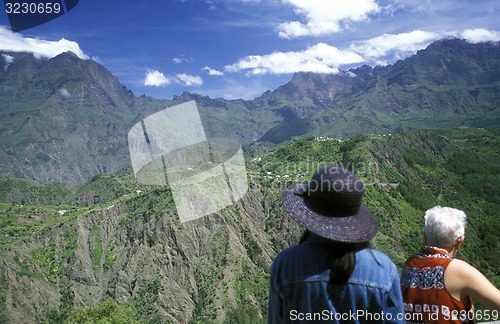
[(300, 289)]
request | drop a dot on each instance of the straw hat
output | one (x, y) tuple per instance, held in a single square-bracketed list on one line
[(330, 206)]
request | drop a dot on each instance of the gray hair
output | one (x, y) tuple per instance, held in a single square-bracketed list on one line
[(444, 226)]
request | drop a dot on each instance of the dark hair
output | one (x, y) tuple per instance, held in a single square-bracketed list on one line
[(341, 258)]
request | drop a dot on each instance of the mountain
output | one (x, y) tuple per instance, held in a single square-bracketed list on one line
[(126, 256), (81, 240), (450, 83), (66, 120), (62, 119)]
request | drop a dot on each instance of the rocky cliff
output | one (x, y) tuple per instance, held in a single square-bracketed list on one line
[(127, 245), (66, 120), (204, 269)]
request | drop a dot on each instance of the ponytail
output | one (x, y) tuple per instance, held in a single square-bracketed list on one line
[(341, 258)]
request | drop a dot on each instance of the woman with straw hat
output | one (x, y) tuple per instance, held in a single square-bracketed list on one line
[(333, 275)]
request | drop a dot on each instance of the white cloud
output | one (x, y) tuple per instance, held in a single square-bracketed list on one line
[(155, 78), (189, 80), (8, 61), (320, 58), (15, 42), (96, 59), (400, 45), (179, 60), (351, 74), (415, 6), (384, 49), (480, 35), (211, 71), (324, 58), (65, 93), (326, 16)]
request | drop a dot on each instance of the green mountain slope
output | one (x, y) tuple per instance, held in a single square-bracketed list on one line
[(60, 119), (66, 120), (130, 247), (449, 84)]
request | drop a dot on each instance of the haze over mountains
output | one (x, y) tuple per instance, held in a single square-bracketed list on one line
[(66, 119)]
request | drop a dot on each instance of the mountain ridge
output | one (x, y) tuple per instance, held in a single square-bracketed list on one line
[(66, 120), (100, 243), (130, 247)]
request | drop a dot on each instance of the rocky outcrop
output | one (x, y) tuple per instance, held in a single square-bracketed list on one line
[(113, 252)]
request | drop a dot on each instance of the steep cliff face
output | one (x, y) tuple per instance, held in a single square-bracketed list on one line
[(202, 269), (66, 120), (63, 119), (129, 246)]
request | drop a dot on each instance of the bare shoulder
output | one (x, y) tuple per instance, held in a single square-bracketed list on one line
[(458, 279), (466, 280), (465, 274), (462, 269)]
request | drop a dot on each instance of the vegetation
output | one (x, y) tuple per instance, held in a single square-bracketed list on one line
[(106, 312), (139, 309), (18, 222), (143, 303), (77, 244), (405, 174), (65, 308)]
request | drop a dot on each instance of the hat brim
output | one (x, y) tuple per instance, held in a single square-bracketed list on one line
[(357, 228)]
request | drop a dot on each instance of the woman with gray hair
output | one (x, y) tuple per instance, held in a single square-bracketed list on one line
[(436, 287)]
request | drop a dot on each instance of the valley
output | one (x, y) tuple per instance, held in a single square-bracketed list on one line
[(81, 239)]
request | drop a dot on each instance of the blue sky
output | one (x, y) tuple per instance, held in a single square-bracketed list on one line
[(241, 48)]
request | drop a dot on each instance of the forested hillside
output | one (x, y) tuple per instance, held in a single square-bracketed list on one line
[(113, 249), (66, 120)]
